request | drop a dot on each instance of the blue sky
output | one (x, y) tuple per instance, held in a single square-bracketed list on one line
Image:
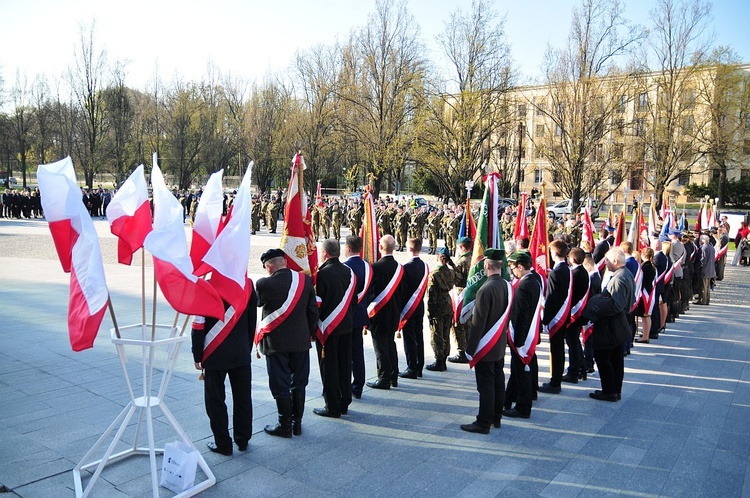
[(250, 37)]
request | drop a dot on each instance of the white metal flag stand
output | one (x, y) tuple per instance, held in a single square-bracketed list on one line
[(164, 349)]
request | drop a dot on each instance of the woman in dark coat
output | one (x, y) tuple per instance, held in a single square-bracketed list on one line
[(646, 303)]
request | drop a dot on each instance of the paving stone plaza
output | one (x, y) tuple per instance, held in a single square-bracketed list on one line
[(681, 429)]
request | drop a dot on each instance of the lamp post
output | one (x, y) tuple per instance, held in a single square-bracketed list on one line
[(518, 165)]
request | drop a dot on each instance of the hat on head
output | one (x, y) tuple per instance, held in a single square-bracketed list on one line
[(609, 228), (271, 254), (494, 254), (520, 257), (444, 252), (464, 240)]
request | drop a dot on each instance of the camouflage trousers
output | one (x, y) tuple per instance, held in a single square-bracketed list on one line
[(440, 329), (460, 331)]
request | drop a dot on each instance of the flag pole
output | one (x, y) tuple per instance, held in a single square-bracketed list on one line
[(114, 318), (153, 312), (143, 286)]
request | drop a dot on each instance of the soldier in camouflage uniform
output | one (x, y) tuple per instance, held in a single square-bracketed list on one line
[(255, 215), (384, 222), (336, 220), (315, 222), (264, 210), (325, 220), (401, 222), (272, 215), (508, 226), (461, 273), (355, 218), (418, 221), (448, 236), (440, 309), (434, 222)]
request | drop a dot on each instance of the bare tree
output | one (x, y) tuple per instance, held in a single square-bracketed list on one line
[(586, 96), (22, 120), (266, 121), (183, 135), (43, 118), (467, 115), (679, 43), (86, 80), (120, 115), (235, 100), (383, 66), (724, 89)]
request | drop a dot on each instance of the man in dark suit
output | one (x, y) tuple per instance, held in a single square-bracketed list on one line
[(572, 332), (601, 248), (415, 274), (525, 319), (363, 272), (557, 314), (230, 358), (708, 259), (486, 342), (384, 311), (335, 287), (289, 321), (662, 264)]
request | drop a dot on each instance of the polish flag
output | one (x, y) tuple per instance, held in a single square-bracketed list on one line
[(588, 230), (622, 233), (77, 246), (521, 230), (207, 219), (129, 216), (185, 292), (297, 240)]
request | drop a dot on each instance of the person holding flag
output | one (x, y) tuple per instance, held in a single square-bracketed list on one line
[(336, 291), (289, 322), (416, 273), (487, 340), (461, 272), (523, 335)]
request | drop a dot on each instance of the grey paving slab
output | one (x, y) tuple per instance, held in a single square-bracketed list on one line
[(682, 428)]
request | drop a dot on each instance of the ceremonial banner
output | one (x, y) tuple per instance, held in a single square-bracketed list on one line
[(621, 234), (538, 247), (488, 236), (587, 229), (129, 216), (297, 239), (369, 230), (185, 292), (77, 245), (207, 219), (634, 232), (521, 230), (468, 228)]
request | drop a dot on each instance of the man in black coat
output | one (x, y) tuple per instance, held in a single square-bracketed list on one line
[(335, 287), (384, 311), (572, 332), (289, 321), (525, 326), (557, 314), (415, 274), (363, 271), (601, 248), (231, 357), (486, 342)]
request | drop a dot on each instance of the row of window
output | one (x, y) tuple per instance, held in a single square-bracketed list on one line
[(687, 100), (635, 177)]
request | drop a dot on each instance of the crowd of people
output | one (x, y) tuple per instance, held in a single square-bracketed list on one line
[(597, 302), (21, 204)]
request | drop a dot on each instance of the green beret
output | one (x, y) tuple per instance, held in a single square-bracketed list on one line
[(444, 252), (464, 240), (494, 254), (520, 257)]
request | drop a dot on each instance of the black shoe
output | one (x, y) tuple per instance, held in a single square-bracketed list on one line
[(278, 430), (344, 409), (474, 427), (419, 374), (550, 389), (642, 341), (356, 395), (497, 423), (514, 413), (582, 375), (603, 397), (655, 335), (212, 446), (379, 384), (438, 366), (284, 427), (459, 358), (394, 382), (408, 374), (323, 412), (242, 447), (590, 370), (570, 378)]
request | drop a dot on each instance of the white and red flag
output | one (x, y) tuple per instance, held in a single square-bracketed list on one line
[(207, 219), (185, 292), (521, 230), (587, 229), (539, 247), (129, 216), (77, 245), (297, 240), (621, 235)]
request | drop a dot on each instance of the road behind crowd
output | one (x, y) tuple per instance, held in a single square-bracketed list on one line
[(681, 429)]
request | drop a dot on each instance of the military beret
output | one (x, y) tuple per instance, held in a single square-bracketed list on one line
[(464, 240), (520, 257), (609, 228), (444, 251), (663, 238), (271, 254), (494, 254)]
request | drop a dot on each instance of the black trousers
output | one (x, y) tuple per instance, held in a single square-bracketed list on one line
[(386, 356), (557, 357), (519, 388), (491, 387), (336, 371), (242, 405), (575, 350), (611, 365), (358, 360), (287, 372), (414, 343)]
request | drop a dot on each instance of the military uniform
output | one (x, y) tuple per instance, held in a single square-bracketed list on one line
[(439, 313), (433, 229), (316, 222), (255, 216), (401, 222), (325, 221), (355, 219), (336, 221), (272, 216), (461, 273)]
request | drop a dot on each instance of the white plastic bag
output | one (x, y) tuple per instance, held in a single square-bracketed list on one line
[(179, 466)]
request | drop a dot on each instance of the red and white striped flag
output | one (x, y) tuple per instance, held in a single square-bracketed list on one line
[(207, 219), (297, 241), (185, 292), (77, 245), (129, 216)]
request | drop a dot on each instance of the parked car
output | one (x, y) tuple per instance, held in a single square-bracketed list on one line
[(565, 207)]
